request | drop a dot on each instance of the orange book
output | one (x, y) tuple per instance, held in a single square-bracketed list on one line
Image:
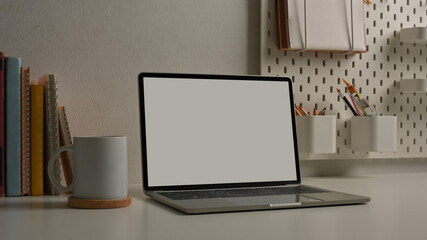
[(64, 140)]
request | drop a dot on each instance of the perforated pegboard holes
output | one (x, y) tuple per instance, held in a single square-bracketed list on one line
[(376, 75)]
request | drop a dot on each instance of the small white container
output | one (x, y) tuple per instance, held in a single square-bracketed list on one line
[(414, 35), (374, 134), (413, 85), (316, 134)]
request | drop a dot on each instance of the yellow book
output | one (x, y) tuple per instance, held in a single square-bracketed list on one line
[(37, 92)]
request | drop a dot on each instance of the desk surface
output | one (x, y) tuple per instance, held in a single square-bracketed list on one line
[(397, 211)]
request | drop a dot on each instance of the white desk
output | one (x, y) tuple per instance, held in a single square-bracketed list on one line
[(397, 211)]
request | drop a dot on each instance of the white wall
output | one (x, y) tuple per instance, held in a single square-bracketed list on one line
[(97, 48)]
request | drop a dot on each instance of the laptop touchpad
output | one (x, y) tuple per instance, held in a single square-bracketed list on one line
[(265, 200)]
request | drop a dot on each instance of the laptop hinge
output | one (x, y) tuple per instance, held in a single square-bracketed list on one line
[(212, 189)]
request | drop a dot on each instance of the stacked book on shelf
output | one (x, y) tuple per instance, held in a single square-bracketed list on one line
[(32, 127)]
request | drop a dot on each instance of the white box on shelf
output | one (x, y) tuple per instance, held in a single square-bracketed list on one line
[(316, 134), (374, 134), (413, 85), (414, 35)]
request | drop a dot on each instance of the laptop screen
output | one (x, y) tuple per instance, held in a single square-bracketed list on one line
[(213, 130)]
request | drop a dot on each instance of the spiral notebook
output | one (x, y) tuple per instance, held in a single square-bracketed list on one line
[(51, 133)]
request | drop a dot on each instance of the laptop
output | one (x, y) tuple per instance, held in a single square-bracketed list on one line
[(218, 143)]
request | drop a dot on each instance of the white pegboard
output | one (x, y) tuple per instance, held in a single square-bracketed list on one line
[(375, 74)]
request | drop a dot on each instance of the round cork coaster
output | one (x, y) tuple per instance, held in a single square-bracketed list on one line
[(99, 203)]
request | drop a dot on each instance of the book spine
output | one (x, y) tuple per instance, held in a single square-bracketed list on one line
[(2, 166), (25, 131), (52, 133), (67, 158), (36, 129), (13, 126)]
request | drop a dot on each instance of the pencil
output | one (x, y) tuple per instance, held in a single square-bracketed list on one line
[(322, 112), (303, 111), (297, 112)]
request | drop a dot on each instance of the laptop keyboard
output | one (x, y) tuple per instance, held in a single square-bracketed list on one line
[(240, 192)]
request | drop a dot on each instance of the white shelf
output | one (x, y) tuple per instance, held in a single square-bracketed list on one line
[(414, 35), (413, 85)]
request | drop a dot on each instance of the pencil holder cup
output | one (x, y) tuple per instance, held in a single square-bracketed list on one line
[(374, 134), (316, 134)]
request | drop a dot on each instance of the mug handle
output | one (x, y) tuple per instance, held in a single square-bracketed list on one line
[(51, 169)]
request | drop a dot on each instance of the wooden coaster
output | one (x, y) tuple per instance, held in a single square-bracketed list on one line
[(99, 203)]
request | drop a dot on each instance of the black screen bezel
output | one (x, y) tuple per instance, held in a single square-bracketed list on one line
[(146, 186)]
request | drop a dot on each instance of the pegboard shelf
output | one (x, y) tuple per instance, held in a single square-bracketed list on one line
[(413, 85), (414, 35), (375, 74)]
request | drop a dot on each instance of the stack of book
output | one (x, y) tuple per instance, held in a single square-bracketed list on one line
[(32, 127)]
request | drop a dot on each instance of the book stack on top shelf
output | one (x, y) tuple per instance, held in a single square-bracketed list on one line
[(31, 126)]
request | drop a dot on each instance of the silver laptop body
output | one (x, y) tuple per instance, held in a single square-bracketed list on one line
[(217, 143)]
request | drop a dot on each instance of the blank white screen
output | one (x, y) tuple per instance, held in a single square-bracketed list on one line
[(201, 131)]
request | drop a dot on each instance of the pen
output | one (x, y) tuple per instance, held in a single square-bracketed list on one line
[(347, 102), (355, 106), (314, 111), (351, 88), (354, 93)]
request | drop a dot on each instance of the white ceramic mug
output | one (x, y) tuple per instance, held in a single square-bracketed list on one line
[(100, 167)]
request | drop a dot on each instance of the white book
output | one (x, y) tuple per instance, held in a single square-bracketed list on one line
[(329, 25)]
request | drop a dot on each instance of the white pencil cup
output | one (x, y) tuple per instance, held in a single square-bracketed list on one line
[(316, 134), (374, 134)]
